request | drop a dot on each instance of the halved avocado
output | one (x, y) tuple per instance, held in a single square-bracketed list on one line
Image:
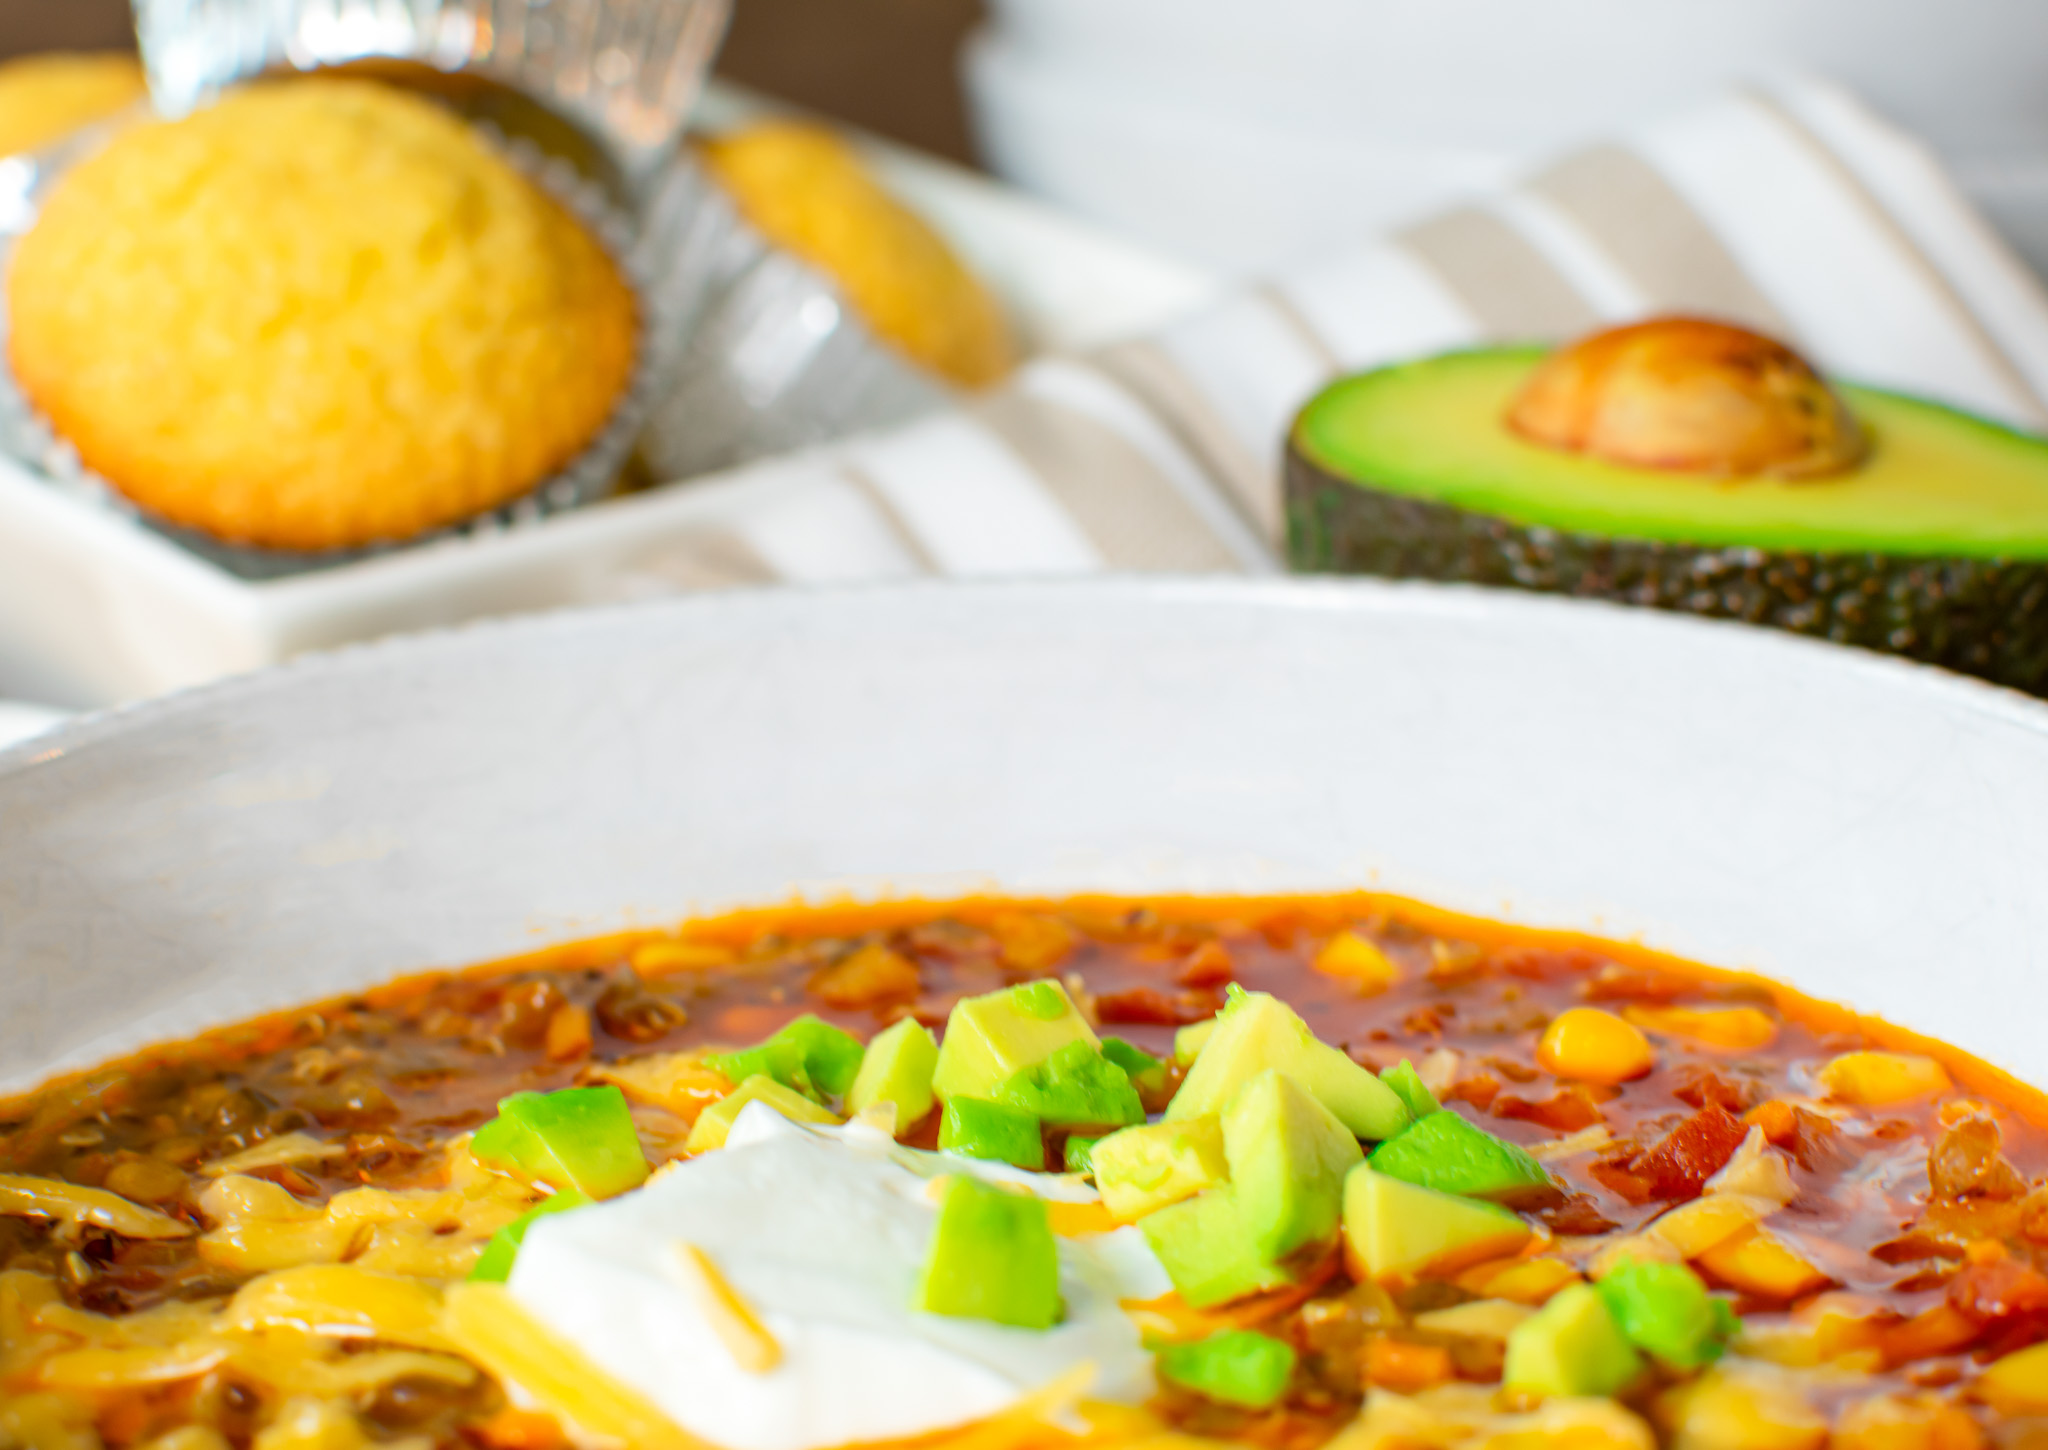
[(1923, 531)]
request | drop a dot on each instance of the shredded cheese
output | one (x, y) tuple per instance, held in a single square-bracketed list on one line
[(279, 1152), (746, 1338)]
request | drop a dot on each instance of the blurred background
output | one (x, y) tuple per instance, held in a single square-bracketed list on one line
[(891, 66), (1251, 138)]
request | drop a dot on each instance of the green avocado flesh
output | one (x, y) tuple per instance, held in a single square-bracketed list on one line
[(1936, 548), (992, 1256), (1443, 1151), (1937, 482)]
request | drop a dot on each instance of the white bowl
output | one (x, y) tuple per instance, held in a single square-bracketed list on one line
[(1868, 830)]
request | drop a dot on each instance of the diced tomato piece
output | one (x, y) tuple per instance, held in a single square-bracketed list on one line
[(1616, 983), (1811, 1139), (1479, 1090), (1678, 1165), (1148, 1006), (1702, 1085), (1544, 964), (1208, 965), (1967, 1162), (1944, 1329), (1999, 1292), (1567, 1110), (1577, 1215)]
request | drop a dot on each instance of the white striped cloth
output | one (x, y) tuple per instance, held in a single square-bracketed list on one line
[(1795, 211)]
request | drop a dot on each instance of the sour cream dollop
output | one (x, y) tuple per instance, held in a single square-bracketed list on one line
[(822, 1234)]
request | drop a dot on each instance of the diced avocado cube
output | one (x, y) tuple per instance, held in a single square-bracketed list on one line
[(494, 1266), (810, 1055), (993, 1037), (897, 1069), (1288, 1156), (1076, 1087), (1202, 1244), (1446, 1152), (1665, 1310), (506, 1141), (1232, 1367), (1143, 1169), (1187, 1043), (832, 1055), (1571, 1346), (1146, 1072), (1409, 1087), (1255, 1032), (1078, 1153), (715, 1122), (978, 1128), (777, 1058), (1397, 1230), (581, 1138), (992, 1256)]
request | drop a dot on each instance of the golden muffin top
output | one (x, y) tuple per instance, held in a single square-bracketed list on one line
[(321, 313), (45, 97), (809, 192)]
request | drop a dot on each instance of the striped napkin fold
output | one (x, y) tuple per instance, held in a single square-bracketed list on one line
[(1793, 210)]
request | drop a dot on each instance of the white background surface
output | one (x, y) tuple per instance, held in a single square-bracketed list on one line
[(1252, 137)]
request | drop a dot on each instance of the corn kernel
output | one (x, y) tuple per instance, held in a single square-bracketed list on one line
[(1760, 1264), (1591, 1045), (1397, 1365), (568, 1034), (1524, 1281), (1705, 1223), (1880, 1079), (2018, 1383), (1726, 1029), (1905, 1422), (1352, 957), (1030, 943), (1748, 1409), (1491, 1319), (868, 977)]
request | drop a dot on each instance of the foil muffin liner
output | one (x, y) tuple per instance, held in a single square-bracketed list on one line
[(625, 71), (592, 474), (760, 354)]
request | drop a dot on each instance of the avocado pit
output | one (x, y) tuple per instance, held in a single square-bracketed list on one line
[(1687, 395)]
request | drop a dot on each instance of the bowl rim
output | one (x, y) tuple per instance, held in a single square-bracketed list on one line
[(1323, 593)]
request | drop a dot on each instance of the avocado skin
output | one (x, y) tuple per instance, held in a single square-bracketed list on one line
[(1982, 617)]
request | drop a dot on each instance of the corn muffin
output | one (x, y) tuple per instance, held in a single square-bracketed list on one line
[(320, 314), (46, 97), (807, 191)]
